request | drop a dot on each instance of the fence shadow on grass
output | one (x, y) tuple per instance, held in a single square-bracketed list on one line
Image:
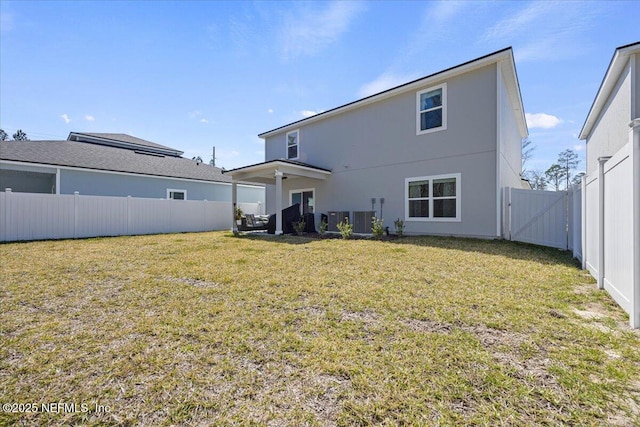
[(514, 250)]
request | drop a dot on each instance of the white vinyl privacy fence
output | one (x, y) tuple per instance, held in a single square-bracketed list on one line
[(612, 226), (28, 216), (547, 218)]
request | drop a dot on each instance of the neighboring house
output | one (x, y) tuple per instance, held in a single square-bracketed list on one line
[(436, 152), (108, 164), (611, 225)]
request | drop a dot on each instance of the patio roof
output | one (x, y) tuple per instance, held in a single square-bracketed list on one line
[(273, 172), (265, 173)]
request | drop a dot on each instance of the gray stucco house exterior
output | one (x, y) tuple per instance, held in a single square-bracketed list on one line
[(436, 152), (110, 164)]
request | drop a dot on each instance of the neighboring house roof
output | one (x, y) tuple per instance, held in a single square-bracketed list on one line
[(100, 157), (616, 66), (504, 56), (122, 140)]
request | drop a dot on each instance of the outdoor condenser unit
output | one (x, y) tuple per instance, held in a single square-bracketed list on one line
[(335, 217), (362, 221)]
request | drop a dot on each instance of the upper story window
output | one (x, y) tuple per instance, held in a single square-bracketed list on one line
[(431, 109), (293, 144), (433, 198)]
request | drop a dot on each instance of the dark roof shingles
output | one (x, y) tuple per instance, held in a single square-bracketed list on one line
[(93, 156), (123, 137)]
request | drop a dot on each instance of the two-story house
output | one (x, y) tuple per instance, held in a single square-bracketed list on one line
[(436, 152)]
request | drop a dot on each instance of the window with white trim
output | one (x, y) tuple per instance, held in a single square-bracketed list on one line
[(433, 198), (293, 144), (431, 109), (174, 194)]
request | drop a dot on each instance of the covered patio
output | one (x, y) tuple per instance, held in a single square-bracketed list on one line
[(272, 172)]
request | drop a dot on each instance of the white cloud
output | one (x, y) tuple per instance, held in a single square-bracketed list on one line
[(516, 23), (203, 120), (224, 154), (578, 147), (442, 11), (270, 110), (65, 118), (542, 121), (312, 30), (545, 30), (309, 113), (383, 82), (195, 113), (89, 118)]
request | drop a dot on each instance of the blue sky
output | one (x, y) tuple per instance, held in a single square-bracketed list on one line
[(193, 75)]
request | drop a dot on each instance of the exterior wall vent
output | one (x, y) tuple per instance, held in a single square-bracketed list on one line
[(362, 221), (336, 217)]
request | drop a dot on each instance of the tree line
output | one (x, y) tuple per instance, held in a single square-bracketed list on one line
[(559, 176), (18, 136)]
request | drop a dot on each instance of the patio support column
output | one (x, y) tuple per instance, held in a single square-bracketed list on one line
[(278, 202), (234, 204)]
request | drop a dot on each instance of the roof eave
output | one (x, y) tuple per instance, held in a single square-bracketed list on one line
[(616, 66)]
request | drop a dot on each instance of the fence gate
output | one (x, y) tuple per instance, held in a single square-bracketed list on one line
[(538, 217)]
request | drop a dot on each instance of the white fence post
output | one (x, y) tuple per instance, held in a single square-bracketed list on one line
[(583, 223), (600, 278), (76, 202), (129, 230), (634, 316), (7, 214)]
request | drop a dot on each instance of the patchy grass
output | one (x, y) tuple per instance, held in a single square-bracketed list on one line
[(202, 329)]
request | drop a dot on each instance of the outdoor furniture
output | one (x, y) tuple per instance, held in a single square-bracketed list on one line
[(289, 216), (252, 223)]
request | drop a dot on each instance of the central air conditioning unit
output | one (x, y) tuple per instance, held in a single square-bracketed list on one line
[(362, 221), (336, 217)]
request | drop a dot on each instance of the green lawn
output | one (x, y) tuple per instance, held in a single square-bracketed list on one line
[(211, 329)]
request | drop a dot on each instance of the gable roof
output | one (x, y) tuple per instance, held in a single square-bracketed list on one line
[(616, 66), (504, 57), (107, 158), (123, 140)]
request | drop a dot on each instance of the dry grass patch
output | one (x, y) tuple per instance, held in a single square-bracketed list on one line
[(210, 329)]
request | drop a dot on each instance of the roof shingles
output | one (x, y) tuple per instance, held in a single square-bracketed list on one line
[(100, 157)]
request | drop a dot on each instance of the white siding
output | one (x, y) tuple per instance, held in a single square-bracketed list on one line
[(610, 131)]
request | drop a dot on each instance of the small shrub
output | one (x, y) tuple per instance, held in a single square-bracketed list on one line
[(299, 226), (239, 214), (323, 227), (377, 227), (399, 224), (345, 228)]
